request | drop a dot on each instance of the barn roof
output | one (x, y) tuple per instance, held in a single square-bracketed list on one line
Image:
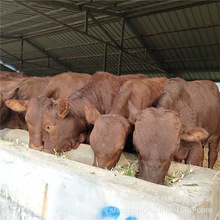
[(158, 38)]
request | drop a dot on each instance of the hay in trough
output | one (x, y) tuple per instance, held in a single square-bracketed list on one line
[(128, 169), (174, 176), (62, 154), (131, 169)]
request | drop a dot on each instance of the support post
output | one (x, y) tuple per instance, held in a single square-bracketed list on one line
[(48, 62), (21, 57), (121, 46), (105, 58), (86, 22)]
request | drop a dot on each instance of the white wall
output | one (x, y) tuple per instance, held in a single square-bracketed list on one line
[(218, 84), (36, 185)]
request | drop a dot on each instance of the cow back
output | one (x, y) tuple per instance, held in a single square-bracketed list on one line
[(196, 102), (64, 84)]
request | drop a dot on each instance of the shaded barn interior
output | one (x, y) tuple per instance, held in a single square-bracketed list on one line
[(158, 38)]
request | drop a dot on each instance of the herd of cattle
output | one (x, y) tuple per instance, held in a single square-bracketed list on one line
[(162, 119)]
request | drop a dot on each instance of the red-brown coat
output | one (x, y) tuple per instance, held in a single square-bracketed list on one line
[(61, 85), (28, 88), (64, 84), (12, 74), (214, 144), (187, 113), (64, 121), (8, 86), (110, 131), (8, 83)]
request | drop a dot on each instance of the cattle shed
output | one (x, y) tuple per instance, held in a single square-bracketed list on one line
[(159, 38)]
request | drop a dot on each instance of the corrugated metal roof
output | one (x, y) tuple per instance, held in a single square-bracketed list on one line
[(161, 38)]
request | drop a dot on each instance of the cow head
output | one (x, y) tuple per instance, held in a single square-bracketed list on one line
[(157, 137), (108, 136), (33, 109), (62, 130)]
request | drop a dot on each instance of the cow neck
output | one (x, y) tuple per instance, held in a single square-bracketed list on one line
[(78, 101), (120, 106), (77, 106)]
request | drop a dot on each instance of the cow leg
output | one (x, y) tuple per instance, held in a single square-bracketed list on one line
[(196, 154), (95, 162), (213, 151)]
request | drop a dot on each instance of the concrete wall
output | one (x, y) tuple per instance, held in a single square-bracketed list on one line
[(36, 185)]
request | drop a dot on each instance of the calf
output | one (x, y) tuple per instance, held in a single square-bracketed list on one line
[(213, 144), (59, 86), (28, 88), (64, 121), (111, 131), (187, 113), (8, 88)]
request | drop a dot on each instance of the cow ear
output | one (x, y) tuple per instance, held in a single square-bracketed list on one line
[(16, 105), (63, 107), (10, 94), (133, 111), (91, 113), (82, 137), (193, 134)]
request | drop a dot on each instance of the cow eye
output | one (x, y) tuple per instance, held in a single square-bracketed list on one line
[(47, 128)]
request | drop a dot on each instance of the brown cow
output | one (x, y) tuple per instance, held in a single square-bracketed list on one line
[(12, 74), (28, 88), (64, 84), (8, 83), (4, 110), (64, 121), (61, 85), (213, 144), (8, 88), (110, 131), (187, 112)]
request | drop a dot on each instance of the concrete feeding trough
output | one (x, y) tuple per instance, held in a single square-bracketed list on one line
[(36, 185)]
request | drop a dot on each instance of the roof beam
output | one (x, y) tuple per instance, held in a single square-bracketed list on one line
[(145, 45), (132, 10), (47, 54), (186, 46), (78, 7), (62, 23), (12, 55), (103, 30), (143, 12), (86, 34)]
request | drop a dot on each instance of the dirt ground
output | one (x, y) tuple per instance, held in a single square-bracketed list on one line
[(217, 163)]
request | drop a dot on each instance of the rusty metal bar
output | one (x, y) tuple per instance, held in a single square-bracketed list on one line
[(121, 46), (168, 8), (83, 33), (191, 60), (77, 7), (145, 45), (103, 30), (21, 56), (185, 46), (48, 55), (86, 22), (105, 58)]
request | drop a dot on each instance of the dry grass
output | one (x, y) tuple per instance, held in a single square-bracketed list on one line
[(61, 154), (131, 169), (205, 161)]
